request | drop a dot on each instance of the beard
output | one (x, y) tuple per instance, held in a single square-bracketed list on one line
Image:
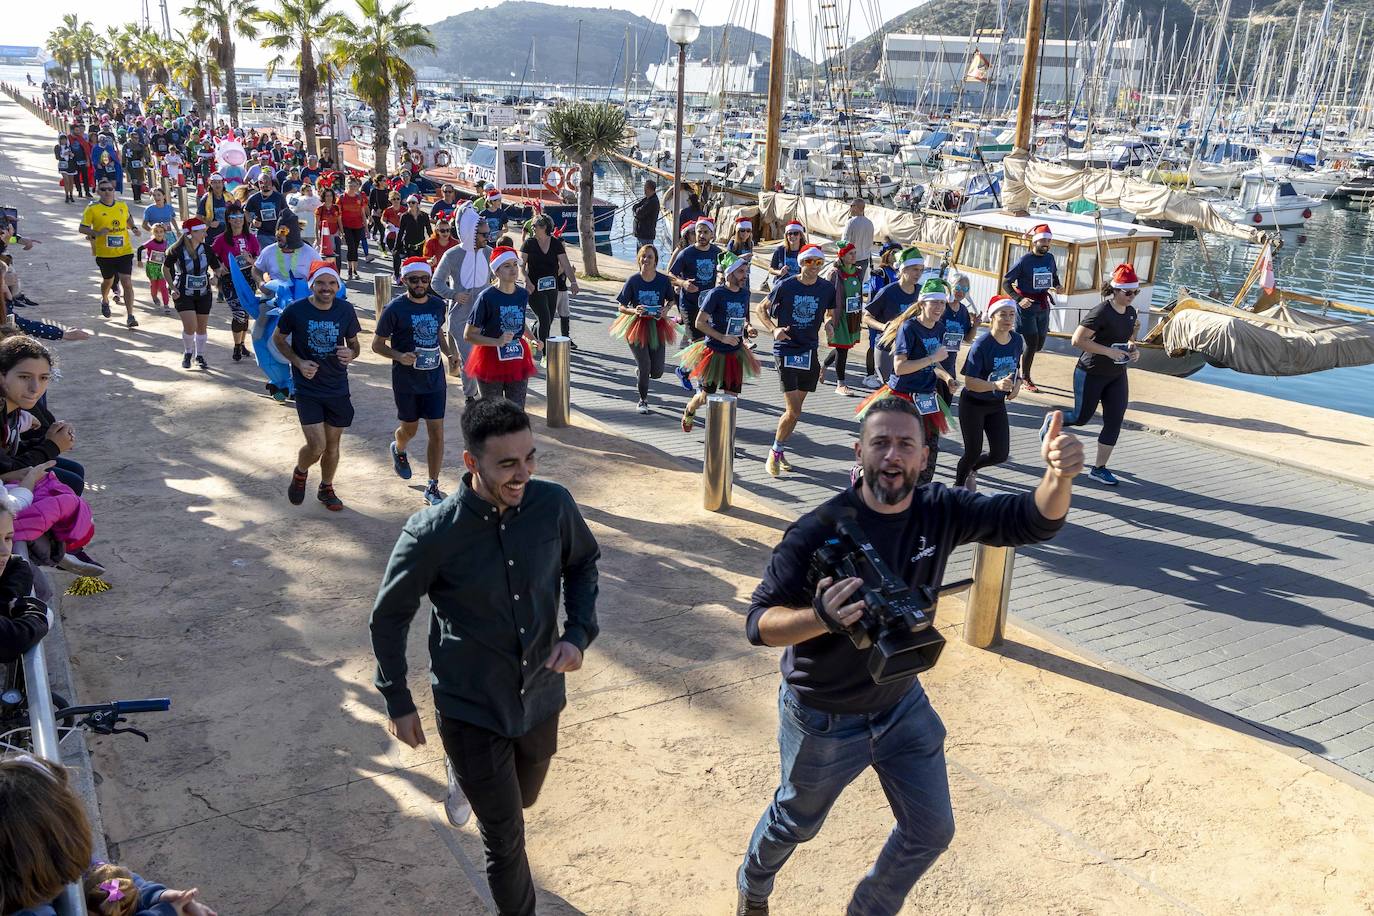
[(887, 492)]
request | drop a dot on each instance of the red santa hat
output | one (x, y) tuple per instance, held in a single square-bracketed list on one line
[(502, 254), (322, 269), (811, 253), (688, 226), (707, 222), (493, 194), (845, 250), (743, 223), (415, 265), (195, 222), (999, 302), (1041, 231), (1123, 277), (794, 226)]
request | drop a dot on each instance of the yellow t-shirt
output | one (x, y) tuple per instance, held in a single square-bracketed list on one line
[(115, 218)]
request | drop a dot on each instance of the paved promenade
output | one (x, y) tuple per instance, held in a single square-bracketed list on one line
[(1236, 581)]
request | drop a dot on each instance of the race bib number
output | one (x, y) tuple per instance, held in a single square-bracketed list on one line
[(926, 403), (195, 283), (953, 339), (1123, 347), (797, 361), (428, 358), (852, 306), (508, 351), (1042, 278), (652, 311), (157, 257), (734, 327), (135, 163), (268, 213), (546, 283), (997, 375), (245, 260), (114, 241)]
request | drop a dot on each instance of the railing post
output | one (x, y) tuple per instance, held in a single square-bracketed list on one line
[(558, 381), (718, 470), (381, 289), (985, 608), (43, 734), (181, 202)]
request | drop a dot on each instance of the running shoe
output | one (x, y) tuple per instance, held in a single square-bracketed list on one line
[(327, 496), (1103, 476), (238, 352), (279, 396), (118, 297), (132, 322), (400, 463), (873, 383), (433, 495), (200, 361), (456, 807), (73, 563), (1030, 386), (26, 300), (971, 482), (773, 463), (296, 491), (746, 907), (689, 420), (643, 407), (104, 310), (844, 390), (186, 360), (682, 378), (1045, 426), (572, 345), (782, 461)]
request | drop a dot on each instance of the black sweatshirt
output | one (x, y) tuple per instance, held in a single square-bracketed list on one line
[(23, 620), (827, 672)]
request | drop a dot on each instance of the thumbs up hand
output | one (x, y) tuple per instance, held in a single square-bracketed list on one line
[(1061, 451)]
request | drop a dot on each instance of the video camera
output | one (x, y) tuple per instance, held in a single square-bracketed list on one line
[(897, 622)]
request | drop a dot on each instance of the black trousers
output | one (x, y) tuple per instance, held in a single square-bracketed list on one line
[(544, 303), (648, 364), (1113, 392), (500, 777), (978, 418)]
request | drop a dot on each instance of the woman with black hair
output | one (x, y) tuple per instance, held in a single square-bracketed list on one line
[(547, 271)]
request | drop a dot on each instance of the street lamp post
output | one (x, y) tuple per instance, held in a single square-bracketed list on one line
[(683, 29)]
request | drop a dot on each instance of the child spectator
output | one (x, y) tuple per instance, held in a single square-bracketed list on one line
[(24, 620)]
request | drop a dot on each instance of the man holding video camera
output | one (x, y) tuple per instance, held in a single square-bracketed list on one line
[(842, 709)]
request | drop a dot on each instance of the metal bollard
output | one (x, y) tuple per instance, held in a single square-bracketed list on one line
[(718, 470), (558, 381), (162, 182), (381, 289), (985, 607), (181, 202)]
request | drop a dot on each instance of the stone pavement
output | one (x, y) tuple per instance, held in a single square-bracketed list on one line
[(1238, 582)]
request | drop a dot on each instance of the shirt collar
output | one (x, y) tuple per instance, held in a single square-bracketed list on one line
[(479, 505)]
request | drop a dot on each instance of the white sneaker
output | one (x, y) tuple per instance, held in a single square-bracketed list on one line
[(843, 390), (873, 383), (643, 406), (456, 807)]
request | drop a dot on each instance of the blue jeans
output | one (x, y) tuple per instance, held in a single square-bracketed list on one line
[(70, 473), (822, 753)]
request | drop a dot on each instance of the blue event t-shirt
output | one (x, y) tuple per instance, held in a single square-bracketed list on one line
[(268, 208), (657, 293), (917, 341), (412, 326), (781, 257), (1033, 276), (960, 322), (315, 334), (725, 308), (890, 302), (494, 313), (992, 361), (801, 309), (699, 267), (153, 214)]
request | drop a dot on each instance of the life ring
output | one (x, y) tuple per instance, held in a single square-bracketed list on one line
[(357, 132), (417, 157), (568, 178), (550, 185), (442, 159)]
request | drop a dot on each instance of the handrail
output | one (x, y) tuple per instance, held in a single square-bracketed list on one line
[(43, 733)]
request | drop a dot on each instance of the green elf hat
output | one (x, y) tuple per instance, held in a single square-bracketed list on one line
[(729, 261), (936, 290), (911, 256)]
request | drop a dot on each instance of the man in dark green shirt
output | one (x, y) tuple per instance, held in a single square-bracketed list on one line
[(493, 559)]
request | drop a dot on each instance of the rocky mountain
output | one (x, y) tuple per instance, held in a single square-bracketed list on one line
[(495, 43)]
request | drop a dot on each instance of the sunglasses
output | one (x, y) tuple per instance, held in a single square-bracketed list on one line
[(1129, 293), (416, 278), (442, 231)]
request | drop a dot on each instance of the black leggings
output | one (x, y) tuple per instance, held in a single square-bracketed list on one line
[(1111, 391), (976, 418), (352, 237), (839, 359), (83, 179), (544, 303), (648, 364), (403, 251)]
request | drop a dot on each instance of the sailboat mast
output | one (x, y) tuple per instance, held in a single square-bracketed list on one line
[(1025, 105), (776, 66)]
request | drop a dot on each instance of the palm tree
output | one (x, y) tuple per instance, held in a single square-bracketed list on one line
[(297, 25), (187, 65), (84, 42), (59, 45), (215, 23), (582, 133), (375, 50), (112, 50)]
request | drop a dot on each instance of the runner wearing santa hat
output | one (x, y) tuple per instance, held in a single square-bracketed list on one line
[(318, 336), (784, 263), (693, 272), (494, 211), (1106, 335), (720, 360), (742, 242), (1031, 281), (410, 333), (501, 361), (991, 378), (189, 266), (793, 313), (847, 325), (643, 323)]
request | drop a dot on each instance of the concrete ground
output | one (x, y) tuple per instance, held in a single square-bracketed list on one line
[(273, 787)]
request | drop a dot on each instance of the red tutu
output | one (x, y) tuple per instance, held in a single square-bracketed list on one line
[(643, 331), (485, 366), (708, 367), (934, 423)]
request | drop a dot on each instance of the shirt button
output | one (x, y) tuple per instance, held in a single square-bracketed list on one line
[(510, 562), (522, 629), (503, 527), (524, 664), (516, 597)]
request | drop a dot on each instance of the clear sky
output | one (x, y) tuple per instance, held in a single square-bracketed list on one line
[(33, 27)]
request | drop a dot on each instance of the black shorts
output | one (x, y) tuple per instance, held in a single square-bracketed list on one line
[(427, 405), (335, 411), (800, 379), (121, 265), (199, 304)]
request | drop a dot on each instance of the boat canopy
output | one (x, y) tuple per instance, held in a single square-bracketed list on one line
[(1106, 188), (829, 217), (1280, 340)]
